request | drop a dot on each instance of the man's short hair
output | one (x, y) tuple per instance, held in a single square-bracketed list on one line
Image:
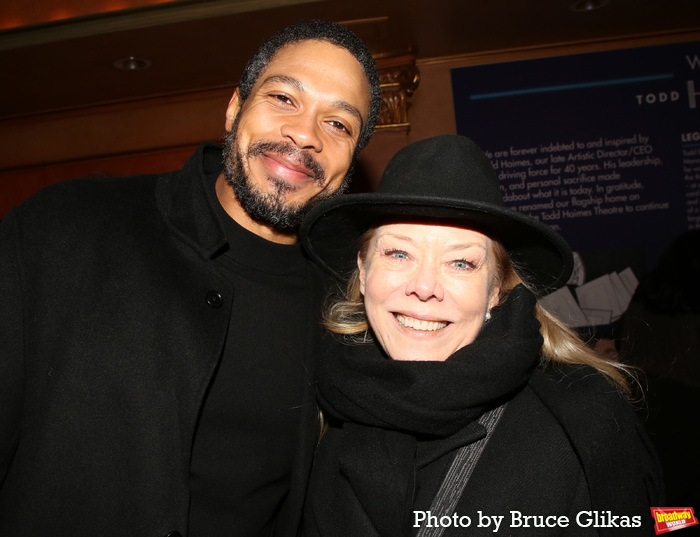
[(334, 33)]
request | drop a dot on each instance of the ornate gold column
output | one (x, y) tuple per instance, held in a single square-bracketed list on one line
[(399, 78)]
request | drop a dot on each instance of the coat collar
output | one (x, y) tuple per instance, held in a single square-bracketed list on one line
[(186, 199)]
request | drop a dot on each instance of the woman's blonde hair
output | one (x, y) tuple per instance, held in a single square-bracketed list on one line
[(346, 316)]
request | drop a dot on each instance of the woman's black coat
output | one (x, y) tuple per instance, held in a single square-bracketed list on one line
[(567, 445)]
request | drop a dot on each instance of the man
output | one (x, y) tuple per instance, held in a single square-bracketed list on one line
[(158, 331)]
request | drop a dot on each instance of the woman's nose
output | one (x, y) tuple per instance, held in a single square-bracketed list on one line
[(425, 284), (302, 130)]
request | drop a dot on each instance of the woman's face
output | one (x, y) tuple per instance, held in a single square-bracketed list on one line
[(427, 288)]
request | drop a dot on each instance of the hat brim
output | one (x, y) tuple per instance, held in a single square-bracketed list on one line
[(331, 232)]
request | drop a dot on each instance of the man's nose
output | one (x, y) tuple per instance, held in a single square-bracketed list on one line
[(303, 130)]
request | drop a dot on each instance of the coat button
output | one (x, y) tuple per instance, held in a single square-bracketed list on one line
[(214, 299), (174, 534)]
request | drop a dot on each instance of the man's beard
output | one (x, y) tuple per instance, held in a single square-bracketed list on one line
[(270, 208)]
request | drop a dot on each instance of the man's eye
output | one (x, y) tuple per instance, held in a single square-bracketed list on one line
[(339, 125), (282, 98)]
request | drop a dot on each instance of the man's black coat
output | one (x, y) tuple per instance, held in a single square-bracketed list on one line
[(113, 316)]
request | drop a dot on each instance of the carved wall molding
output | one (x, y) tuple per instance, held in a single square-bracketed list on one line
[(399, 77)]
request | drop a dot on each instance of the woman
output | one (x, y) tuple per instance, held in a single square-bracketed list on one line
[(454, 404)]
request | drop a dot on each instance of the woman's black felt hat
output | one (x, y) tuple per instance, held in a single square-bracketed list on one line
[(446, 179)]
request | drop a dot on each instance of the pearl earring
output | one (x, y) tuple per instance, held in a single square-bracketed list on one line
[(488, 315)]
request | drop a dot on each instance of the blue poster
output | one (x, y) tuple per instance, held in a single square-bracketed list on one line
[(604, 147)]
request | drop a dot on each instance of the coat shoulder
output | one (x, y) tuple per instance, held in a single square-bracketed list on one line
[(90, 196), (579, 389), (76, 212), (618, 458), (591, 409)]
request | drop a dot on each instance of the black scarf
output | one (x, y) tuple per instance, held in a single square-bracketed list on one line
[(363, 478)]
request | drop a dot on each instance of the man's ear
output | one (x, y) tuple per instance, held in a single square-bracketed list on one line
[(363, 272), (234, 107)]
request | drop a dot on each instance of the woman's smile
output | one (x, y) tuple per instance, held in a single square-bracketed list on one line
[(419, 324)]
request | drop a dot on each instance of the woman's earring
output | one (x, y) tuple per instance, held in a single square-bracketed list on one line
[(488, 315)]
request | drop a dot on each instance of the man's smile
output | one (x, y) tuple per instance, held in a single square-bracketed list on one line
[(287, 168), (286, 163)]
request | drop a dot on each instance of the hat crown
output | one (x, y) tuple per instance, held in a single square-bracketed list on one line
[(446, 178), (447, 167)]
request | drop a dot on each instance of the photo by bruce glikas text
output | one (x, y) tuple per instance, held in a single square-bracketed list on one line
[(516, 519)]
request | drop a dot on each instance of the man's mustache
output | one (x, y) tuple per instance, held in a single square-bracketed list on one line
[(306, 159)]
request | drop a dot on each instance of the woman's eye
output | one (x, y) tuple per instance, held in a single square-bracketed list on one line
[(396, 254), (463, 264)]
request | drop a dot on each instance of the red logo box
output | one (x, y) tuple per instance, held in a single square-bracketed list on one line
[(672, 518)]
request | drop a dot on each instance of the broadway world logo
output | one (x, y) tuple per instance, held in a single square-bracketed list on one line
[(672, 518)]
